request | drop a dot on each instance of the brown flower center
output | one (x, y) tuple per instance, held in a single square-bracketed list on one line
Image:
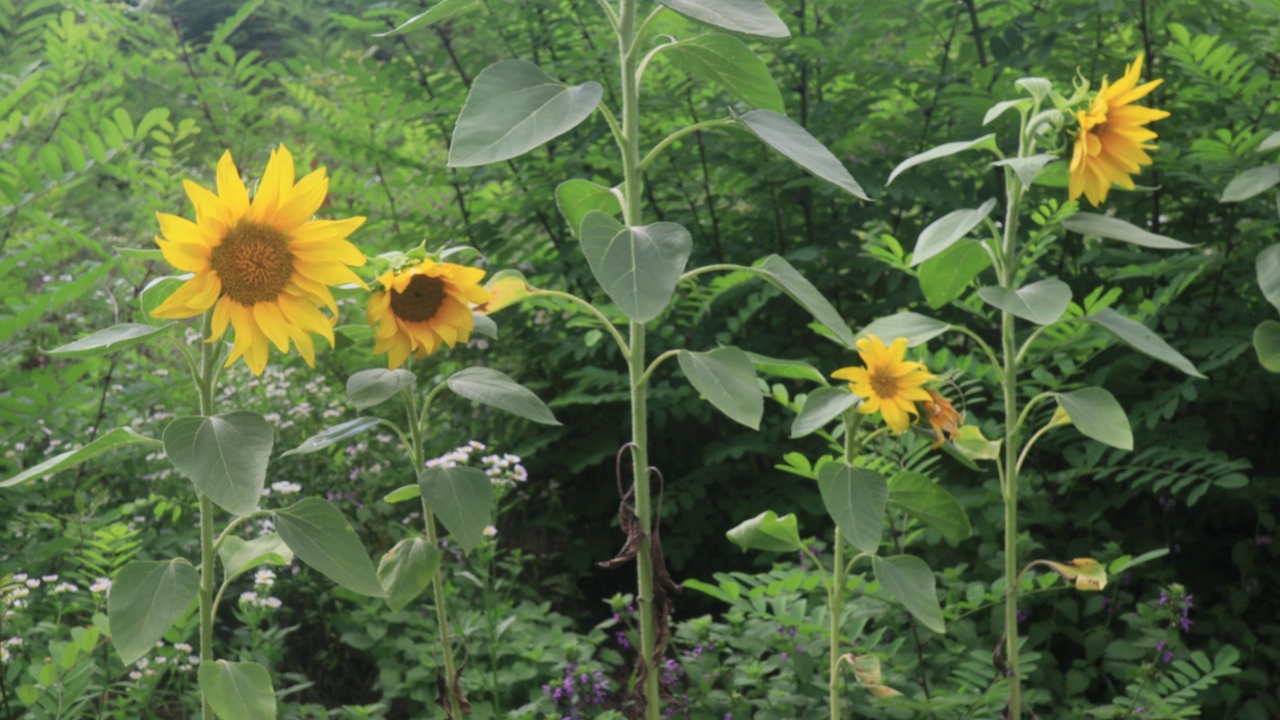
[(884, 385), (420, 300), (253, 262)]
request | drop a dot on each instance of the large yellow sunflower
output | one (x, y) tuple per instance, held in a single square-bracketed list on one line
[(422, 306), (888, 383), (1112, 140), (264, 266)]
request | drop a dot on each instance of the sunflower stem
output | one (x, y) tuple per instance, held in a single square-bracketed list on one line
[(205, 380), (852, 422)]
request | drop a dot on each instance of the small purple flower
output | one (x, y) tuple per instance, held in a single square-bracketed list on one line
[(1023, 616), (1168, 657), (623, 642)]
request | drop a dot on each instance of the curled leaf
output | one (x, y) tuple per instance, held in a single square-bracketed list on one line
[(1088, 574)]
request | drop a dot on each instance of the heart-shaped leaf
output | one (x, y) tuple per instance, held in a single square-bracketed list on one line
[(727, 379), (224, 456), (638, 267), (909, 579), (238, 690), (1041, 302), (462, 497), (375, 386), (239, 555), (407, 569), (855, 498), (146, 599), (322, 538), (497, 389)]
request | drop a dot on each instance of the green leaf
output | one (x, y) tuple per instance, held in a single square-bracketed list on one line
[(333, 435), (576, 198), (1001, 107), (484, 325), (149, 254), (925, 500), (909, 579), (404, 493), (239, 555), (821, 407), (727, 379), (780, 272), (116, 337), (224, 456), (972, 445), (749, 17), (1106, 226), (496, 389), (638, 267), (146, 599), (1268, 266), (1041, 302), (1140, 338), (368, 388), (1266, 342), (407, 569), (322, 538), (916, 328), (118, 438), (238, 690), (948, 230), (1250, 183), (855, 498), (767, 532), (790, 369), (156, 292), (946, 275), (1097, 415), (727, 61), (440, 12), (512, 108), (462, 497), (782, 134), (986, 142), (1027, 168)]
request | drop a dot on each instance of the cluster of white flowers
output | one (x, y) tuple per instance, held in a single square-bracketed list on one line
[(504, 469), (252, 598), (101, 585), (283, 487), (457, 456), (183, 659)]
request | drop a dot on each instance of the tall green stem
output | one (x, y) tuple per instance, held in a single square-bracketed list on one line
[(1009, 354), (839, 576), (205, 383)]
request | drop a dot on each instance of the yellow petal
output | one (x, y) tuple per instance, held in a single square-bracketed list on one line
[(187, 257), (299, 205), (231, 188), (272, 323), (211, 211)]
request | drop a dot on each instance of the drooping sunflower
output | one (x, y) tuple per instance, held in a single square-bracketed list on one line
[(422, 306), (1111, 143), (888, 384), (942, 415), (264, 266)]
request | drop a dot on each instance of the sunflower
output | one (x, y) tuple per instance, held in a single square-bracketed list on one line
[(942, 415), (1111, 143), (888, 383), (422, 306), (264, 266)]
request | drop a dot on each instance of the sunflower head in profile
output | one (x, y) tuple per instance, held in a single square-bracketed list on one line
[(1111, 142), (942, 415), (422, 306), (888, 384), (263, 266)]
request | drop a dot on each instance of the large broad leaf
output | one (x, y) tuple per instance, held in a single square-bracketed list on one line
[(1117, 229), (1142, 339), (909, 579), (727, 379), (855, 498), (462, 497), (926, 501), (821, 407), (239, 555), (407, 569), (782, 134), (749, 17), (576, 198), (784, 368), (1096, 414), (1266, 342), (727, 61), (440, 12), (508, 287), (948, 230), (146, 599), (333, 435), (496, 389), (375, 386), (118, 438), (1026, 168), (322, 538), (238, 690), (986, 141), (1040, 302), (514, 107), (1250, 183), (224, 456), (1268, 266), (946, 275), (116, 337), (780, 272), (638, 267), (916, 328), (767, 532)]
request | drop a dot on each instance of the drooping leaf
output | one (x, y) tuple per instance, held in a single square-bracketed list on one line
[(916, 328), (972, 445), (484, 325), (946, 275), (497, 389), (767, 532), (507, 287), (375, 386), (792, 140), (116, 337), (224, 456), (1087, 574), (927, 501), (1268, 267), (784, 368), (407, 569), (1105, 226), (855, 498), (118, 438), (404, 493), (948, 230), (909, 579), (146, 599), (1266, 342), (238, 690), (1097, 415), (638, 267), (789, 280), (1027, 168), (727, 379), (1004, 106), (1250, 183), (730, 63), (749, 17), (1041, 302), (321, 537), (947, 149), (821, 407), (576, 198), (239, 555), (1142, 339), (512, 108), (438, 13), (462, 497), (333, 435)]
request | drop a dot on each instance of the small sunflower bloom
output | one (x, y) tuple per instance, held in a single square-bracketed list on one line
[(423, 306), (888, 384), (263, 266), (942, 415), (1111, 143)]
